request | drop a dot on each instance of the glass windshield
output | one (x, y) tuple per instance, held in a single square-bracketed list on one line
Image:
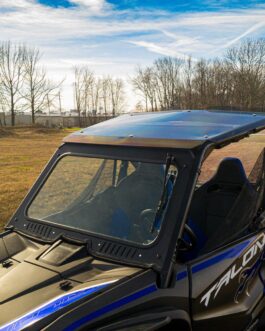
[(121, 199)]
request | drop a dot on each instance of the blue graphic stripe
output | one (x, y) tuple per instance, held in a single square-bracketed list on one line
[(52, 307), (181, 275), (110, 307), (228, 254)]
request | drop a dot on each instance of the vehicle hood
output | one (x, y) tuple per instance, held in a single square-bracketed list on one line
[(40, 281)]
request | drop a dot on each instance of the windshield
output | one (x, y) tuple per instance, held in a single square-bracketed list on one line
[(121, 199)]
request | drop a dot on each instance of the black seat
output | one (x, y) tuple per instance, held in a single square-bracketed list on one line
[(141, 189), (217, 198)]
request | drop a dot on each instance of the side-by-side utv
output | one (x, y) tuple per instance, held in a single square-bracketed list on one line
[(118, 232)]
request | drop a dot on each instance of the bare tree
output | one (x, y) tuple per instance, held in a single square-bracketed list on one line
[(138, 83), (145, 82), (11, 76), (37, 88), (79, 86), (236, 81), (247, 62), (94, 94), (60, 102), (106, 93), (117, 95), (167, 72), (88, 77), (91, 93), (188, 76)]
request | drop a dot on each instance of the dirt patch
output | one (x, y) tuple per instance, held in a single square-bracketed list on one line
[(28, 131), (6, 132), (46, 131)]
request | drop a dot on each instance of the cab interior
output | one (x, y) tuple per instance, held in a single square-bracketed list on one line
[(228, 198)]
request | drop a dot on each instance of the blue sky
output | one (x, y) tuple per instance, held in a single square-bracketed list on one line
[(113, 37), (185, 5), (171, 6), (58, 3)]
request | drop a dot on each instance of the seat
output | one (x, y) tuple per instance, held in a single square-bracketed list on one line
[(139, 191), (215, 200)]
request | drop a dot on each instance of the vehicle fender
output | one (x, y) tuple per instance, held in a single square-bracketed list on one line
[(178, 320)]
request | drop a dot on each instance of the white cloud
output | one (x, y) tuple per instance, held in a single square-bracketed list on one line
[(163, 50), (252, 29), (17, 3), (93, 33), (180, 40), (85, 62)]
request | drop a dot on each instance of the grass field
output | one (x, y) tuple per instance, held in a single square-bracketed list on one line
[(23, 154), (25, 151)]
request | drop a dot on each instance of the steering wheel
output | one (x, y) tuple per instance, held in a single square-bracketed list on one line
[(146, 223), (147, 217), (188, 245), (143, 228)]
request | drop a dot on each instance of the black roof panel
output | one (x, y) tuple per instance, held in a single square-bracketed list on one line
[(179, 129)]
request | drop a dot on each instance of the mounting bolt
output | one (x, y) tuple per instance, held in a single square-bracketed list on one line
[(66, 285), (7, 263)]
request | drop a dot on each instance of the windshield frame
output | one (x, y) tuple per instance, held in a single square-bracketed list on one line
[(160, 251), (88, 232)]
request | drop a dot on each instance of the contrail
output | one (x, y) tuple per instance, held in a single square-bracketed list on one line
[(247, 32)]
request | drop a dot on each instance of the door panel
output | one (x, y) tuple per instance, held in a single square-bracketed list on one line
[(227, 286)]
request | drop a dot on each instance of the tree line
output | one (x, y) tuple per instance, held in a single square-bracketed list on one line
[(235, 81), (24, 84), (94, 94)]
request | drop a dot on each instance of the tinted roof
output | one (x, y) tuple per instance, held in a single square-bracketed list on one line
[(178, 129)]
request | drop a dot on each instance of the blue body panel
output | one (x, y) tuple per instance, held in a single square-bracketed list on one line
[(52, 307)]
